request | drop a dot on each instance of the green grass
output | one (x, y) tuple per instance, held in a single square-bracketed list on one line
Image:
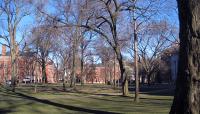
[(87, 99)]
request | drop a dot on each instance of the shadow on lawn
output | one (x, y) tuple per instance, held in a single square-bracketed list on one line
[(5, 111), (157, 89), (74, 108), (164, 92), (155, 99)]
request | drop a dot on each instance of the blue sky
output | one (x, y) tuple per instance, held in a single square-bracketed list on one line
[(168, 11)]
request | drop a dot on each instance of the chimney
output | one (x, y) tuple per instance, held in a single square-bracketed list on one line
[(3, 52)]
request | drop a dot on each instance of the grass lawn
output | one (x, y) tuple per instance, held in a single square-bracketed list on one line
[(100, 99)]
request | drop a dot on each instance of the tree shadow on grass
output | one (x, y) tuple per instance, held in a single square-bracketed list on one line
[(155, 99), (164, 92), (5, 111), (69, 107), (157, 89)]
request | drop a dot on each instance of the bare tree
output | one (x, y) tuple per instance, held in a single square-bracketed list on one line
[(97, 19), (13, 11), (85, 42), (103, 19), (62, 49), (140, 15), (42, 38), (154, 42), (69, 10)]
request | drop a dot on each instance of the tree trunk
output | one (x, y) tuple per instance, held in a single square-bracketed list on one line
[(13, 61), (110, 74), (13, 78), (44, 75), (105, 72), (136, 64), (82, 61), (125, 86), (187, 95), (122, 70), (148, 79), (34, 77), (114, 73), (73, 75), (57, 73), (36, 81)]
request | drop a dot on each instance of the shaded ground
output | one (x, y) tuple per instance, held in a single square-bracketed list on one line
[(156, 89), (98, 99)]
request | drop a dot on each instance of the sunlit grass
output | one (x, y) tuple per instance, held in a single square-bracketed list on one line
[(91, 97)]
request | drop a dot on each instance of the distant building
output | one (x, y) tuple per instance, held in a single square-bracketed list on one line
[(171, 57), (174, 66), (27, 69), (99, 74)]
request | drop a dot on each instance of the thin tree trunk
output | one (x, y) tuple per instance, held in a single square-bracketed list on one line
[(105, 73), (110, 73), (37, 67), (114, 73), (36, 80), (64, 76), (136, 64), (187, 94), (57, 72), (82, 77), (148, 79)]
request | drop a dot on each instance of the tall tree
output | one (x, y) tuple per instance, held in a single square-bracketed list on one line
[(154, 42), (103, 19), (42, 38), (13, 12), (186, 99), (141, 13), (70, 12), (62, 49), (85, 40)]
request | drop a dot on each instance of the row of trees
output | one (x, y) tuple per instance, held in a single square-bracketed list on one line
[(81, 29), (117, 22)]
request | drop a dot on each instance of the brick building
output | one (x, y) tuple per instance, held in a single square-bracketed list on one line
[(103, 74), (27, 68)]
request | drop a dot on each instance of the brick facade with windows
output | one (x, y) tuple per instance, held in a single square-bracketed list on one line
[(27, 68)]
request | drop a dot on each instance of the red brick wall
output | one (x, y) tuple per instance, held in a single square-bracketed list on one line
[(25, 67)]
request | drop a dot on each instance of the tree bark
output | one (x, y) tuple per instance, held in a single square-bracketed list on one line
[(13, 65), (44, 75), (136, 64), (12, 34), (114, 73), (187, 96), (82, 62), (148, 78), (122, 71), (73, 75), (36, 78), (110, 74)]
